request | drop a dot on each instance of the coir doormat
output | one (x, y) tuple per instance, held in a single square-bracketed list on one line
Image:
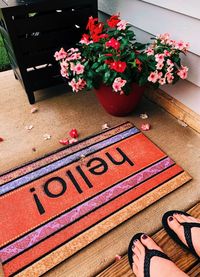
[(52, 207)]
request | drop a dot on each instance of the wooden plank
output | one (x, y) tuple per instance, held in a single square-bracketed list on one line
[(183, 259), (175, 108), (195, 271)]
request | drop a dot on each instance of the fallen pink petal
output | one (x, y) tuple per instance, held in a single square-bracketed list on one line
[(29, 127), (73, 140), (144, 116), (46, 136), (118, 257), (64, 141), (145, 127), (105, 126), (34, 110)]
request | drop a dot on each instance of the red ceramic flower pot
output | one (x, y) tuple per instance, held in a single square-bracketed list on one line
[(116, 104)]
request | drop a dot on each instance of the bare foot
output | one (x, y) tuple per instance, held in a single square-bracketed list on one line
[(158, 266), (175, 224)]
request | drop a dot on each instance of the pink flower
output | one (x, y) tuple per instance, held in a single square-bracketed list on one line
[(72, 66), (149, 51), (78, 69), (64, 72), (170, 42), (74, 85), (169, 77), (153, 77), (182, 72), (74, 56), (159, 65), (79, 85), (179, 45), (121, 25), (160, 74), (167, 53), (170, 63), (162, 81), (186, 46), (182, 46), (160, 58), (59, 55), (64, 64), (170, 69), (163, 37), (118, 84)]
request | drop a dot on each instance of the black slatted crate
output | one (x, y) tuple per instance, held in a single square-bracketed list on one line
[(33, 30)]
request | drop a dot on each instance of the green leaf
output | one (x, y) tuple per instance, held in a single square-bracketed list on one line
[(142, 80), (95, 65), (106, 76)]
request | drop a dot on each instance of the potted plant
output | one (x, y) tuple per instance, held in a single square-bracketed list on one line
[(109, 59)]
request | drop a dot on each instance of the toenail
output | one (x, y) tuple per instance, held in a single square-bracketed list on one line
[(144, 236), (171, 218)]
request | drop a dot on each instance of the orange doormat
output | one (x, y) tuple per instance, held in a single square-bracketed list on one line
[(52, 207)]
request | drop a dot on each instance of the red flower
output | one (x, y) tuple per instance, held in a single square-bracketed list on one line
[(97, 37), (139, 64), (85, 39), (108, 62), (91, 23), (113, 43), (113, 20), (104, 36), (73, 133), (98, 28), (118, 66)]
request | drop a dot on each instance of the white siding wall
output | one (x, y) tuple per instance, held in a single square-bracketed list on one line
[(180, 18)]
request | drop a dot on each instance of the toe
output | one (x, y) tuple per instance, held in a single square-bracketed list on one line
[(135, 269), (175, 225), (180, 218), (139, 247), (149, 243), (193, 219), (135, 260), (136, 250)]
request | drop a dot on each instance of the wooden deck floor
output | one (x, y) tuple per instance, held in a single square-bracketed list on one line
[(183, 259)]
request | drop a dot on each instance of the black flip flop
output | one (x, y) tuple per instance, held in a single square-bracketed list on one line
[(148, 255), (187, 231)]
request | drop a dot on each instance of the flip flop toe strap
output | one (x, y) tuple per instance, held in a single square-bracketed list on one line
[(150, 254), (188, 234)]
